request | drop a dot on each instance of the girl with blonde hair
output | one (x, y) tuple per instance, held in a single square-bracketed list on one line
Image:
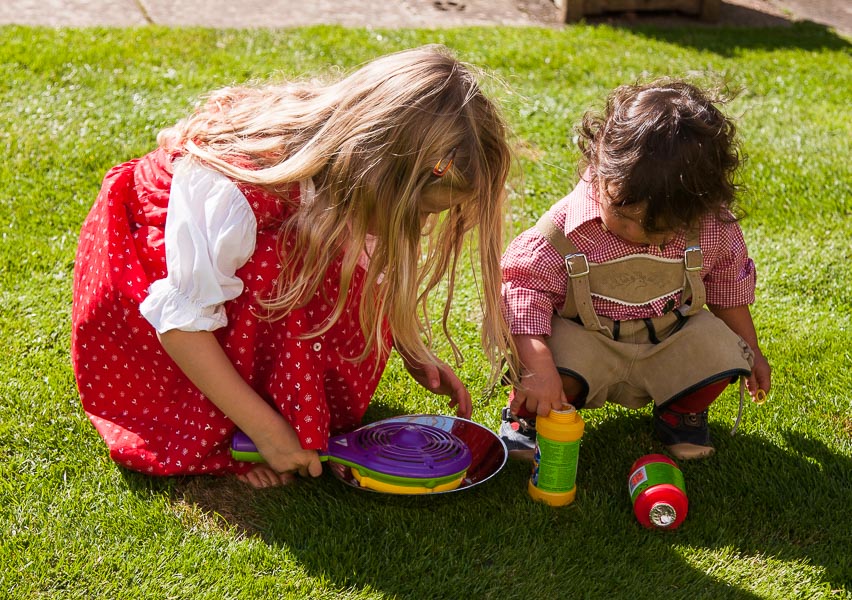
[(255, 270)]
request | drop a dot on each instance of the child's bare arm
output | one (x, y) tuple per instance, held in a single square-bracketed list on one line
[(202, 359), (540, 389), (738, 318)]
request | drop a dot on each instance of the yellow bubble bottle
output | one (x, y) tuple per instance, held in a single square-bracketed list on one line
[(557, 451)]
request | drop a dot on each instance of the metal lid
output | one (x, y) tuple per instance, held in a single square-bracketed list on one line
[(662, 514)]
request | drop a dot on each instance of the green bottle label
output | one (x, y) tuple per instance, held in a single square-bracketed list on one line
[(655, 474), (555, 466)]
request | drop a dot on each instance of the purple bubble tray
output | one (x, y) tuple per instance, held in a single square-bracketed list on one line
[(397, 449), (423, 449), (409, 450)]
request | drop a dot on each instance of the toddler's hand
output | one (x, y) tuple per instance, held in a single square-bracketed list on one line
[(539, 393), (761, 375), (540, 389)]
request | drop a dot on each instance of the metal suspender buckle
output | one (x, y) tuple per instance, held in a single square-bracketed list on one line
[(577, 265), (693, 258)]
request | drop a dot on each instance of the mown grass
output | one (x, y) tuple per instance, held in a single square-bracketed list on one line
[(769, 514)]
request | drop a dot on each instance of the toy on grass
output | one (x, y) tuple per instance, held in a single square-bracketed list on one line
[(405, 455), (658, 492), (557, 451)]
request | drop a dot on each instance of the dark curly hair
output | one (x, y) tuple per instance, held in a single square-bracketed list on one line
[(664, 145)]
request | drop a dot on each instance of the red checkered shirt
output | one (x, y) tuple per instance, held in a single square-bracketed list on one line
[(535, 277)]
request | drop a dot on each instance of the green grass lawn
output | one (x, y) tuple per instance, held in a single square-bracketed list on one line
[(770, 514)]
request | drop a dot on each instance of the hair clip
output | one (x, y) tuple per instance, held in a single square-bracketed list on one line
[(444, 164)]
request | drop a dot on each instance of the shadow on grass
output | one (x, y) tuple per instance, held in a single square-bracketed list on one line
[(751, 505), (740, 32)]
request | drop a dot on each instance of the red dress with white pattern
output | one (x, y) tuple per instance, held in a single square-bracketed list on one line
[(153, 419)]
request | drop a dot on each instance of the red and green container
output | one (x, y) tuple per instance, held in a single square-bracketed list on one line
[(658, 492), (557, 451)]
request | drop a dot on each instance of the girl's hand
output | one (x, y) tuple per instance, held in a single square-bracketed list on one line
[(283, 462), (285, 459), (304, 462), (441, 379)]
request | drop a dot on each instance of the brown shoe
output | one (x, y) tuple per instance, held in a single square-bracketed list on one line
[(685, 435)]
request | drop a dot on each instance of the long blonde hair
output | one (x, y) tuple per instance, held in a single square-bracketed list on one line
[(370, 143)]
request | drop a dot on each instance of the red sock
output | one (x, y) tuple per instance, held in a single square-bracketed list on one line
[(700, 399)]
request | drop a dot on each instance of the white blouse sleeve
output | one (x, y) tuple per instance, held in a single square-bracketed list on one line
[(211, 232)]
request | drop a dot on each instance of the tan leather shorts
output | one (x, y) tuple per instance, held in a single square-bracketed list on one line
[(633, 372)]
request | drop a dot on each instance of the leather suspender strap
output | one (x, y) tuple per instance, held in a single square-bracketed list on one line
[(578, 296), (557, 238), (693, 262)]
